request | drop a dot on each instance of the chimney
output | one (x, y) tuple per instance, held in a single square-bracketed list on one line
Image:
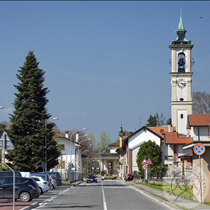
[(170, 128), (77, 136), (67, 134)]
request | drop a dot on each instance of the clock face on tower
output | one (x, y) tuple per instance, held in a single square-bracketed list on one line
[(181, 83)]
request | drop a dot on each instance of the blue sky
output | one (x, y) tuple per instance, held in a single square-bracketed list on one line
[(106, 63)]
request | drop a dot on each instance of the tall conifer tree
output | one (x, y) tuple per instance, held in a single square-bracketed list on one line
[(27, 131)]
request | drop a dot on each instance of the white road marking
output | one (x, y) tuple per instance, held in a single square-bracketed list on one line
[(118, 187), (52, 198), (150, 197), (104, 199)]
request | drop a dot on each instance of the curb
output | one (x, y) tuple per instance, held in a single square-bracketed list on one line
[(156, 197), (34, 205), (75, 184)]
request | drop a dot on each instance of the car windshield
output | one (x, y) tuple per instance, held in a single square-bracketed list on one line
[(91, 176), (54, 175)]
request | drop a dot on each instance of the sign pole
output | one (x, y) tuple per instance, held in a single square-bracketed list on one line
[(4, 148), (148, 174), (199, 149), (200, 178)]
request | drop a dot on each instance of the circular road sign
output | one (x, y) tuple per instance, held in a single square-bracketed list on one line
[(144, 167), (199, 149)]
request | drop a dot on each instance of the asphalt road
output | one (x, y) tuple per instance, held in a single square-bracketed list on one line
[(105, 195)]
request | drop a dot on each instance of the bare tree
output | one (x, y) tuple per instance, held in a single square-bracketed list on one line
[(201, 103), (6, 123), (91, 152), (160, 119)]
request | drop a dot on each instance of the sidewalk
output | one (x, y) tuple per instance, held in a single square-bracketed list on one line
[(8, 205), (173, 201)]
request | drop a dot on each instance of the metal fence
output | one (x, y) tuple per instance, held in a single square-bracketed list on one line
[(73, 176)]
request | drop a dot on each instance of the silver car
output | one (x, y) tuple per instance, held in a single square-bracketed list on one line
[(43, 185), (53, 182)]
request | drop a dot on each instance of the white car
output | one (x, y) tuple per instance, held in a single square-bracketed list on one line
[(53, 182), (43, 185)]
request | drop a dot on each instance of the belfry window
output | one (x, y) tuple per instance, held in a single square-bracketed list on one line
[(181, 62), (181, 116)]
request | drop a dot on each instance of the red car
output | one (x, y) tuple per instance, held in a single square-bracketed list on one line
[(129, 177)]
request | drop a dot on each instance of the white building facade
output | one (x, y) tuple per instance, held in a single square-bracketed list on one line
[(70, 161)]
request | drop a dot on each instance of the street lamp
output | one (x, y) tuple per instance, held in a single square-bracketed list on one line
[(84, 129), (55, 118), (85, 140), (70, 158), (121, 134)]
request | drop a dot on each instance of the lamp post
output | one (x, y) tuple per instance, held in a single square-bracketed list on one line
[(77, 156), (70, 159), (55, 118), (121, 134)]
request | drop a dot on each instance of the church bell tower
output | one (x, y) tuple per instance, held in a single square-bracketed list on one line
[(181, 79)]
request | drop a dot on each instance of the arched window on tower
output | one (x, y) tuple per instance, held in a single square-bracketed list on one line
[(181, 62)]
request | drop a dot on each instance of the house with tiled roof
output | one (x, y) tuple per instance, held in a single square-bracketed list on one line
[(142, 135), (199, 125), (108, 161), (70, 161)]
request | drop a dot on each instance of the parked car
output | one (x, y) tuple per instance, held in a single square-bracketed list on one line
[(129, 177), (26, 188), (43, 185), (102, 177), (92, 178), (44, 176), (10, 173), (57, 176), (53, 181)]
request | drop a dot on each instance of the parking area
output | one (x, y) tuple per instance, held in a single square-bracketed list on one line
[(7, 204)]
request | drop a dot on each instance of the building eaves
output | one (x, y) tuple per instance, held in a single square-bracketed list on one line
[(173, 138), (199, 120)]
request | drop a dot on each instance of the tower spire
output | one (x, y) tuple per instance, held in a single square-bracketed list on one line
[(181, 33), (181, 25)]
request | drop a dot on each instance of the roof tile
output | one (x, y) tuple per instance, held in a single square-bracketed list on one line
[(172, 138), (199, 120)]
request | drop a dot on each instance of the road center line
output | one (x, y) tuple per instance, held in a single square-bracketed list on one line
[(104, 199)]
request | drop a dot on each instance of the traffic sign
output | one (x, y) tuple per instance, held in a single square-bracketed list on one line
[(199, 149), (144, 167), (144, 161), (97, 168), (5, 142), (149, 162)]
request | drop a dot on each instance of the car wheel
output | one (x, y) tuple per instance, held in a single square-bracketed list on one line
[(25, 197), (41, 191), (96, 181)]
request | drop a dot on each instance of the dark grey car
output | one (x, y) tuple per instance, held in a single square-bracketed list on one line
[(57, 177), (10, 173), (25, 188), (91, 178)]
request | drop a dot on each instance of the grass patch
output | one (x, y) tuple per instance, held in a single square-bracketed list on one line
[(65, 182), (207, 204), (177, 190)]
